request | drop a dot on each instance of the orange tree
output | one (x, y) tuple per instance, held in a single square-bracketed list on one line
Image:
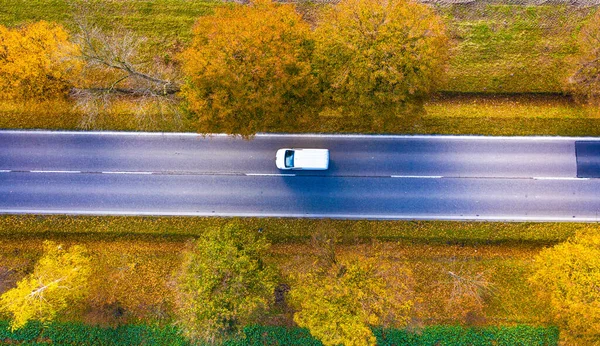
[(376, 57), (569, 276), (248, 68), (36, 61)]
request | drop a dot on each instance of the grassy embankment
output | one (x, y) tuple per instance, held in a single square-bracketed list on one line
[(497, 49), (135, 257)]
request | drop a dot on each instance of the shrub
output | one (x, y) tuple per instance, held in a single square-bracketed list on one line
[(585, 80)]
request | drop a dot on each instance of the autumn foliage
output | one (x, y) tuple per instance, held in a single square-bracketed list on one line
[(248, 68), (568, 275), (374, 57), (59, 279), (224, 284), (340, 304), (36, 61), (255, 67)]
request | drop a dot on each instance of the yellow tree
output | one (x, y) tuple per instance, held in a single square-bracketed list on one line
[(59, 278), (248, 68), (569, 276), (376, 57), (340, 304), (36, 61)]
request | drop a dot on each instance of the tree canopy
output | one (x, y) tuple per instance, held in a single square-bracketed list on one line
[(248, 68), (59, 278), (568, 275), (338, 305), (36, 61), (374, 57), (224, 283)]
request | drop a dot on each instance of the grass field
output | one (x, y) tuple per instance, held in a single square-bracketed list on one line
[(511, 48), (163, 21)]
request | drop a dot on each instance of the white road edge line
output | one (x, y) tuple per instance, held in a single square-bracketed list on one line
[(418, 176), (109, 172), (262, 134), (328, 216), (269, 175), (559, 178), (5, 171), (42, 171)]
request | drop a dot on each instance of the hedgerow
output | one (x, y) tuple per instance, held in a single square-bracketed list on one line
[(68, 333)]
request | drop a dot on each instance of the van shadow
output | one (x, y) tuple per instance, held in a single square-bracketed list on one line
[(316, 193)]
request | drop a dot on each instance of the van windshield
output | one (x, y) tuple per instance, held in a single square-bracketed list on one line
[(289, 158)]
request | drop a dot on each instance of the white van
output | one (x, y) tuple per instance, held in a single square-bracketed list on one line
[(302, 159)]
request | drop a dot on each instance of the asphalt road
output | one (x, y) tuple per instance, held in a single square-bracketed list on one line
[(384, 177)]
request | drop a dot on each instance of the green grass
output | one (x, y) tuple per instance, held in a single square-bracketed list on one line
[(17, 12), (81, 334), (511, 48), (160, 20)]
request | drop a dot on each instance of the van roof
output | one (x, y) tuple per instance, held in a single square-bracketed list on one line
[(311, 158)]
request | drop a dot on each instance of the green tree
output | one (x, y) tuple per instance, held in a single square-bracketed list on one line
[(584, 81), (224, 283), (339, 304), (59, 279), (568, 275), (248, 68), (377, 58), (36, 61)]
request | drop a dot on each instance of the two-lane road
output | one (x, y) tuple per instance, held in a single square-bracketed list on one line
[(387, 177)]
